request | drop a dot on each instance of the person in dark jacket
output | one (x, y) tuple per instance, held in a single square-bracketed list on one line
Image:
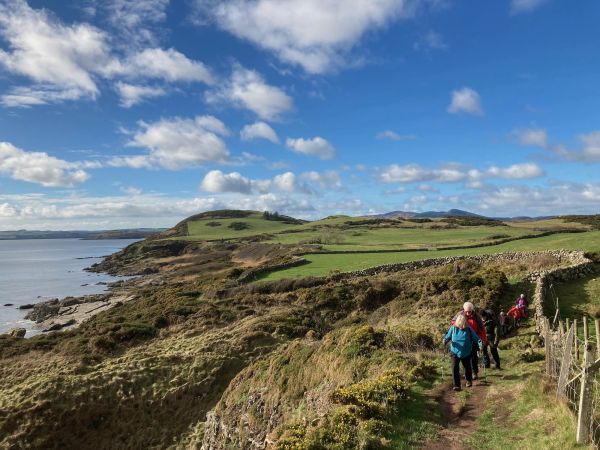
[(463, 339), (476, 323), (492, 333)]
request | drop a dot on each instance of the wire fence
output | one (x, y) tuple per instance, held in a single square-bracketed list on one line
[(573, 363)]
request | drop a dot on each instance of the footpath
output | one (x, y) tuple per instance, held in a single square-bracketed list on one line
[(512, 408)]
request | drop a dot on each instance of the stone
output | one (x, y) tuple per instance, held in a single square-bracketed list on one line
[(18, 332)]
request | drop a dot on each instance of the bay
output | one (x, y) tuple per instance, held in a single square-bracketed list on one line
[(34, 270)]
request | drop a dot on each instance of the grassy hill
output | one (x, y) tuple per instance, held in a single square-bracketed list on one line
[(197, 358)]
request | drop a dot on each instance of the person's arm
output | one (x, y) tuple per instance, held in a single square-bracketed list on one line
[(448, 335)]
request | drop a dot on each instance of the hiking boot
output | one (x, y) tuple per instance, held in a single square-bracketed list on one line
[(474, 376), (456, 388), (498, 368), (469, 384)]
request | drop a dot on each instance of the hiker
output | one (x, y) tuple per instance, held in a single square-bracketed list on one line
[(463, 339), (517, 314), (503, 321), (521, 303), (492, 333), (475, 322)]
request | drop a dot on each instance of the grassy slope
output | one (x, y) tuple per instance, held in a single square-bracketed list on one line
[(322, 264), (365, 238)]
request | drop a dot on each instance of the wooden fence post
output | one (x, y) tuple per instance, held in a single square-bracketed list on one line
[(597, 327), (565, 366), (576, 339), (584, 415), (586, 331), (568, 323)]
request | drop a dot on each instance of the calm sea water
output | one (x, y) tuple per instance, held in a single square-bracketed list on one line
[(34, 270)]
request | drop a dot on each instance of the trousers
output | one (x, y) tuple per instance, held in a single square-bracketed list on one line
[(466, 363)]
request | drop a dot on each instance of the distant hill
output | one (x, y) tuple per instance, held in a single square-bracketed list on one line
[(137, 233), (428, 214)]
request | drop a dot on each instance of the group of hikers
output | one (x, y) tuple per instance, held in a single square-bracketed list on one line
[(472, 332)]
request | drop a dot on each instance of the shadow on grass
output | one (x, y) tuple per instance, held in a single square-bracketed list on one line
[(418, 418)]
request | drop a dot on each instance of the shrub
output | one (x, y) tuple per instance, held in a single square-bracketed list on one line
[(372, 397), (213, 224), (238, 226), (363, 341)]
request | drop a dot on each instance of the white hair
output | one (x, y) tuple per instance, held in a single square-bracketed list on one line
[(468, 306)]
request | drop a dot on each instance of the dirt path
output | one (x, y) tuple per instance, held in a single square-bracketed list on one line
[(460, 412)]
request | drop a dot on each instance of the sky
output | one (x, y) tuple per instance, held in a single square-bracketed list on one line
[(120, 114)]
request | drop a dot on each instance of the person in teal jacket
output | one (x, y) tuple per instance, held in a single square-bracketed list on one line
[(463, 339)]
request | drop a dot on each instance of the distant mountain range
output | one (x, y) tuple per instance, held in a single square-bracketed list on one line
[(449, 213), (137, 233)]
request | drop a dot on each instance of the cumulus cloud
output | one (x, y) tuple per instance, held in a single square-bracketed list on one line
[(316, 146), (168, 65), (588, 153), (40, 168), (247, 89), (312, 34), (465, 100), (68, 62), (330, 179), (178, 143), (216, 181), (50, 53), (413, 173), (259, 130), (536, 137), (133, 94), (135, 20), (524, 6), (393, 136)]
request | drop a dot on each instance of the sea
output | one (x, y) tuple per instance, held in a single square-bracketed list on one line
[(34, 270)]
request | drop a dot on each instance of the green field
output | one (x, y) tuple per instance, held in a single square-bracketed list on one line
[(323, 264)]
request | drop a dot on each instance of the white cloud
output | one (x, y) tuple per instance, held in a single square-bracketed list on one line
[(312, 34), (68, 62), (39, 167), (465, 100), (316, 146), (168, 65), (50, 53), (133, 94), (330, 179), (452, 173), (515, 172), (536, 137), (524, 6), (589, 152), (393, 136), (591, 146), (247, 89), (259, 130), (217, 181), (179, 143), (134, 19)]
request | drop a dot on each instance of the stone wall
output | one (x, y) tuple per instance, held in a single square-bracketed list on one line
[(580, 267), (573, 257)]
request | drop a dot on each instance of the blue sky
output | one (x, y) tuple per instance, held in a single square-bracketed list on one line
[(124, 113)]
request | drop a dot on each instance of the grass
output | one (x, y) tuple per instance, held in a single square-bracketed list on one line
[(522, 411), (365, 238), (576, 298), (323, 264)]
